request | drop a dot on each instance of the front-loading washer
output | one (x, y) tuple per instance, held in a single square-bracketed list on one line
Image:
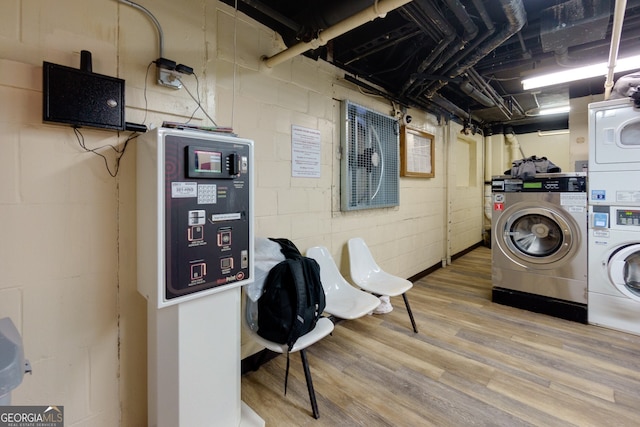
[(539, 245), (614, 267)]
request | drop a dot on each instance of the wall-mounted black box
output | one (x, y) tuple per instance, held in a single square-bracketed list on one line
[(82, 98)]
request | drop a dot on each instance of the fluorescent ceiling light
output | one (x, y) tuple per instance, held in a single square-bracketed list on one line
[(554, 110), (547, 111), (580, 73)]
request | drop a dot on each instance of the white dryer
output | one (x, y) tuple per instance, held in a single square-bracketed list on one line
[(614, 153), (614, 267)]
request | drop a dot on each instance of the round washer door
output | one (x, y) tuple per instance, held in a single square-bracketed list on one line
[(624, 270), (538, 235)]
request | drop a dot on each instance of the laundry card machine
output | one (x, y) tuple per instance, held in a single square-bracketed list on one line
[(194, 252)]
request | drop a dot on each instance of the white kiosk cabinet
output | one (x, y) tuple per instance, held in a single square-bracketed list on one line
[(195, 251)]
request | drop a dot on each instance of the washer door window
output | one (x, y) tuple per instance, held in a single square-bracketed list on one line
[(538, 236), (624, 270)]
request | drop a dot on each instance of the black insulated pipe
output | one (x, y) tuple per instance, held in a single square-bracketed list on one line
[(459, 10), (422, 10), (474, 93), (516, 16)]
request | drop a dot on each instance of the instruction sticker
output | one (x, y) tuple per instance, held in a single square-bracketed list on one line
[(573, 199)]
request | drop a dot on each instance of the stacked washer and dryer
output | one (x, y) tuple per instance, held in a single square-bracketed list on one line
[(614, 212), (559, 251)]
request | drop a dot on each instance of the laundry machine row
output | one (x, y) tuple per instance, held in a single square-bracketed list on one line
[(614, 215), (539, 244)]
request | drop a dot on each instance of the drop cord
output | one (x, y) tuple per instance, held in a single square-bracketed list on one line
[(196, 100), (119, 152), (144, 93)]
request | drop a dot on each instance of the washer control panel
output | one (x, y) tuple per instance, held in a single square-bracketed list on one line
[(545, 183), (614, 217)]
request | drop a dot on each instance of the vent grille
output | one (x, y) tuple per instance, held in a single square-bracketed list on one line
[(370, 168)]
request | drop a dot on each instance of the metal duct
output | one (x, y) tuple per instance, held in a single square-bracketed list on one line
[(573, 22)]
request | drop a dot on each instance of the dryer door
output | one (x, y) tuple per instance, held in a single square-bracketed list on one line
[(624, 270), (617, 132), (537, 235)]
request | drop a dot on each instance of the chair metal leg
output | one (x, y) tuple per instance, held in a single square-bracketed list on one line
[(413, 322), (307, 374)]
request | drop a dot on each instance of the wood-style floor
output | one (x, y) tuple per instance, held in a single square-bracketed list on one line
[(472, 363)]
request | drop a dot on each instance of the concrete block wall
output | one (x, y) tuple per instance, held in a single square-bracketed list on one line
[(67, 258), (466, 198)]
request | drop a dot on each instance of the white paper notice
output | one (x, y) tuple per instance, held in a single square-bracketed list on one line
[(305, 152)]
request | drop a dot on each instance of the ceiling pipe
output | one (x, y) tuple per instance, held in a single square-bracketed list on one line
[(476, 94), (452, 108), (516, 15), (379, 10), (460, 11), (483, 14), (616, 31), (457, 52), (384, 46), (426, 8)]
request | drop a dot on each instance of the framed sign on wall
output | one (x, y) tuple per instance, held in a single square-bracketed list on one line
[(416, 153)]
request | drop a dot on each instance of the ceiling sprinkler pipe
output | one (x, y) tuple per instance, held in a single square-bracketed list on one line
[(379, 10), (616, 31)]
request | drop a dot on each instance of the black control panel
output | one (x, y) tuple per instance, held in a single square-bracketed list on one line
[(541, 184), (207, 217)]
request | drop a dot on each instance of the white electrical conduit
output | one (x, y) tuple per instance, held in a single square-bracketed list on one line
[(155, 22), (379, 10), (616, 31)]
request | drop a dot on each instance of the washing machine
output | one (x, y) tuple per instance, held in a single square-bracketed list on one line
[(614, 153), (614, 267), (539, 244)]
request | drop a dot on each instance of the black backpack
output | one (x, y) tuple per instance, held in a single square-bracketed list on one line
[(293, 298)]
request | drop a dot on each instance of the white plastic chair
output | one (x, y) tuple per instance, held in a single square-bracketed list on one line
[(323, 327), (342, 299), (367, 275)]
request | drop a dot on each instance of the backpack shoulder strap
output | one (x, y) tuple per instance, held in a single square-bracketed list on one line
[(287, 247), (300, 286)]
